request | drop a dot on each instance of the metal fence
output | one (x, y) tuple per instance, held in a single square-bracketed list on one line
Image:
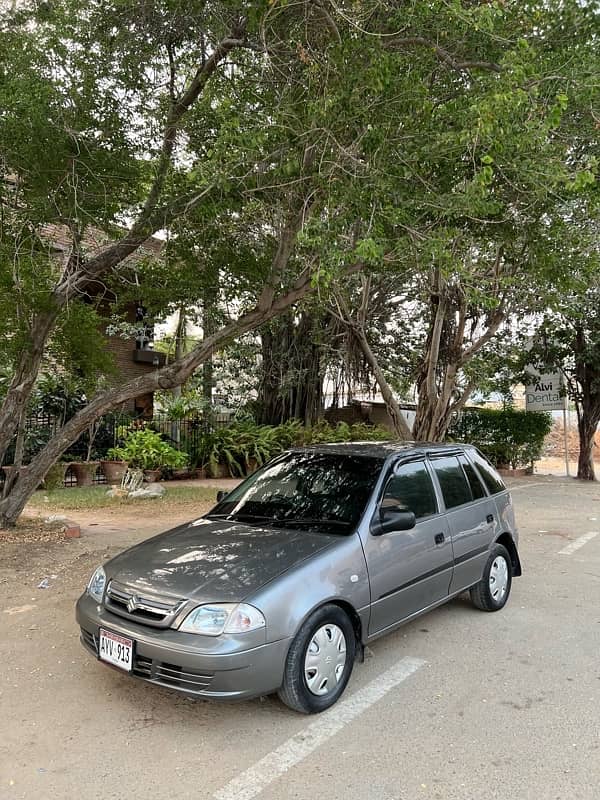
[(184, 434)]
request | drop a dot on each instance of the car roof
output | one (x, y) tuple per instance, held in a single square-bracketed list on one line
[(381, 449)]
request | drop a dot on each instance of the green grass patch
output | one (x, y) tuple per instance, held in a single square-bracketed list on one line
[(89, 498)]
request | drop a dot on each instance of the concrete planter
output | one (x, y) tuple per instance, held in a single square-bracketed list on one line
[(114, 471), (152, 475), (84, 472)]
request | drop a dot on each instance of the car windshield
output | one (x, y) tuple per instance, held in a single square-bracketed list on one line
[(319, 491)]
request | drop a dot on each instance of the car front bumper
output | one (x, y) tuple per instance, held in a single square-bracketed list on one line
[(219, 668)]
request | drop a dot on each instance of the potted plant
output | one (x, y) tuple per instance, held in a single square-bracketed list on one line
[(85, 471), (146, 450), (219, 454)]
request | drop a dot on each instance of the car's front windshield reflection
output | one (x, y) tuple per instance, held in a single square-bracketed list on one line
[(317, 491)]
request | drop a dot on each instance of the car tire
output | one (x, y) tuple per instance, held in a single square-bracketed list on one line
[(492, 591), (314, 677)]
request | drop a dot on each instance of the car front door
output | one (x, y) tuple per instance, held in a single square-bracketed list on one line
[(408, 569), (471, 517)]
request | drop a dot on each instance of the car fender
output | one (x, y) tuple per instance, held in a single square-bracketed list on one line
[(336, 574)]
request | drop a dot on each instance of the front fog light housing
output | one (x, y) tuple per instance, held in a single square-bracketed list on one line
[(95, 587), (213, 620)]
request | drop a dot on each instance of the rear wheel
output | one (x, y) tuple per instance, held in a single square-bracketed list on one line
[(492, 591), (319, 662)]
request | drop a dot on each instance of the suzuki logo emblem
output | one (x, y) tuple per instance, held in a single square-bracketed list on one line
[(132, 604)]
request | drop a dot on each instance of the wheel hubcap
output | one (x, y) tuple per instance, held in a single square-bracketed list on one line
[(325, 659), (498, 578)]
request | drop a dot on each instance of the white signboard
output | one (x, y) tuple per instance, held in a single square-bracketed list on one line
[(545, 394)]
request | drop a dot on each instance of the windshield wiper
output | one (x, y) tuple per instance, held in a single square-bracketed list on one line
[(242, 517)]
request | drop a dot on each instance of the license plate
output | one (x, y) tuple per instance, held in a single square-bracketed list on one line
[(116, 649)]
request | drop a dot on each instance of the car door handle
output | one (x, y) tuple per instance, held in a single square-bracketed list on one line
[(439, 538), (489, 518)]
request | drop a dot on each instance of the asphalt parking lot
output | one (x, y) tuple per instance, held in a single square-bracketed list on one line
[(458, 704)]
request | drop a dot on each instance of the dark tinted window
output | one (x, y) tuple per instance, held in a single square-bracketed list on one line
[(475, 483), (411, 489), (455, 489), (492, 480), (318, 491)]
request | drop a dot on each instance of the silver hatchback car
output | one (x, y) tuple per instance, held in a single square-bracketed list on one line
[(283, 583)]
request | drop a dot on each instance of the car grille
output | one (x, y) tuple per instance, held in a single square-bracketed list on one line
[(171, 676), (159, 613)]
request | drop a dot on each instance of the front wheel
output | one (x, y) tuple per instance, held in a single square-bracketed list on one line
[(492, 591), (319, 662)]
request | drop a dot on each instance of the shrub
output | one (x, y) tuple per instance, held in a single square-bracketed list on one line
[(146, 449), (245, 445), (508, 437), (323, 432)]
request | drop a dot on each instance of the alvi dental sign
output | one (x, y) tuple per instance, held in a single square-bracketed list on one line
[(545, 393)]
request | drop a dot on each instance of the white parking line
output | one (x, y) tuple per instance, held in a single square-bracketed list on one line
[(257, 777), (577, 543)]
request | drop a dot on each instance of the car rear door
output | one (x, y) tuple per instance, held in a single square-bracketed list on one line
[(496, 487), (411, 569), (471, 516)]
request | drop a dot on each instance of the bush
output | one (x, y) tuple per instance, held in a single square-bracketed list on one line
[(146, 449), (323, 432), (244, 446), (507, 437)]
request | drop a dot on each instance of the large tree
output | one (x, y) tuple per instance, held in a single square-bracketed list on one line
[(481, 235), (326, 138), (157, 117)]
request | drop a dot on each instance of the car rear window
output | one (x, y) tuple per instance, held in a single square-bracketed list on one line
[(490, 477), (453, 483), (474, 480)]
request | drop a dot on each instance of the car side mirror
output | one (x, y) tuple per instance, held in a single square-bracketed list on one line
[(221, 495), (392, 519)]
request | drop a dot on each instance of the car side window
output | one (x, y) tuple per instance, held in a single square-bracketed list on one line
[(492, 480), (453, 483), (411, 489), (474, 480)]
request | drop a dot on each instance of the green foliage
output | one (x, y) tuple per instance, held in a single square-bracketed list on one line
[(462, 146), (58, 396), (245, 446), (188, 405), (506, 436), (146, 449), (323, 432)]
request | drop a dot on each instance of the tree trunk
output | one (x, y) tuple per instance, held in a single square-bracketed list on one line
[(587, 425), (401, 427), (291, 380), (208, 327), (26, 372)]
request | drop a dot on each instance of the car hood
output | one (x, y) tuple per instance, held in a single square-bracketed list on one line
[(213, 561)]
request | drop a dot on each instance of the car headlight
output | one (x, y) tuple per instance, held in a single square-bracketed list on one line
[(95, 587), (215, 619)]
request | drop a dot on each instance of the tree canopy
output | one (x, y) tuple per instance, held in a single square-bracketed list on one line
[(278, 149)]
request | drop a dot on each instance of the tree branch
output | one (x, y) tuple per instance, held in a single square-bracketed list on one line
[(442, 54)]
